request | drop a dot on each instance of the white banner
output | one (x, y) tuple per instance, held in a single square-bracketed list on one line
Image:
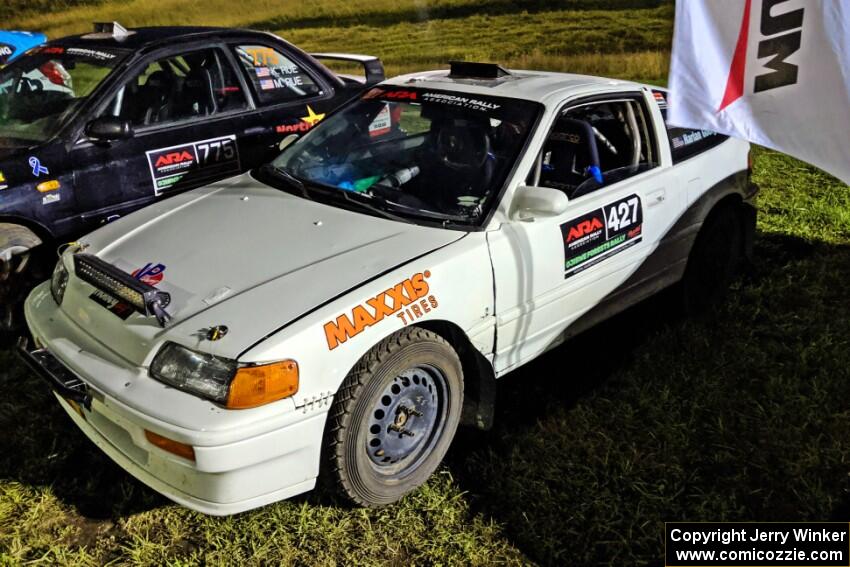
[(775, 72)]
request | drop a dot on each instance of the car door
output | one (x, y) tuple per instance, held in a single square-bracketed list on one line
[(193, 122), (604, 154)]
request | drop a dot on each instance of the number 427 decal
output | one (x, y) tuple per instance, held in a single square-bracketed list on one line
[(602, 233)]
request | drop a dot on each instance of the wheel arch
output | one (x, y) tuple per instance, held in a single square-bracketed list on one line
[(478, 374)]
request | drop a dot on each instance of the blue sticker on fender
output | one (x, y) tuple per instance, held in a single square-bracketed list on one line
[(600, 234)]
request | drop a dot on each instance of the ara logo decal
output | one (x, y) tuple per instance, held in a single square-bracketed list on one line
[(408, 300), (303, 125), (150, 274), (401, 95), (584, 228), (174, 158)]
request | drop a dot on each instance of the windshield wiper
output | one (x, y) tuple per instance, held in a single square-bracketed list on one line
[(291, 179), (424, 213), (365, 204), (369, 202)]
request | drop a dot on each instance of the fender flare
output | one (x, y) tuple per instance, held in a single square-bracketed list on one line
[(16, 239)]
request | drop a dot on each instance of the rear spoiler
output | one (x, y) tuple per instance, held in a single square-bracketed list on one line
[(371, 65)]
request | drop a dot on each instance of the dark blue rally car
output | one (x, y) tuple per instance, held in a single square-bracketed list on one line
[(95, 126)]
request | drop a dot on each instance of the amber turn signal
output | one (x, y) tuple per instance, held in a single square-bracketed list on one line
[(258, 385), (174, 447)]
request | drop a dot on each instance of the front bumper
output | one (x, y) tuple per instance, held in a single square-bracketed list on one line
[(239, 464)]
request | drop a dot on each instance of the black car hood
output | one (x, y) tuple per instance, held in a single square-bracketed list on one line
[(11, 147)]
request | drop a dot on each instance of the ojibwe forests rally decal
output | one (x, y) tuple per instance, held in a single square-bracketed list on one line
[(600, 234), (408, 301), (198, 161)]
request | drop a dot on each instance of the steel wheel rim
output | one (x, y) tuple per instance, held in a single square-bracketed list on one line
[(407, 420)]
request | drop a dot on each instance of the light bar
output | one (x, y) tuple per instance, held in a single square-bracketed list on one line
[(142, 297)]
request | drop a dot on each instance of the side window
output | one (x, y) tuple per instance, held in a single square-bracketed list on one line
[(596, 145), (180, 87), (275, 77), (684, 142)]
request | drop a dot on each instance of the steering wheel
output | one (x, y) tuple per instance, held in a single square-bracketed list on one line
[(463, 147)]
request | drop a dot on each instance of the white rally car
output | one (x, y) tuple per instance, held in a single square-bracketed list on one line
[(344, 308)]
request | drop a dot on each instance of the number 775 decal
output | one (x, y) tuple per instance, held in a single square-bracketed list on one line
[(600, 234), (197, 161)]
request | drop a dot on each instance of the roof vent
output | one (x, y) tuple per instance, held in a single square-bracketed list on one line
[(107, 30), (473, 70)]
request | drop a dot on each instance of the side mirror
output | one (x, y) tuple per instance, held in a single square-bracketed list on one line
[(532, 202), (108, 128), (286, 142)]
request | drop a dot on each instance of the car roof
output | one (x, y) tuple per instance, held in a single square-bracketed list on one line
[(138, 38), (540, 86)]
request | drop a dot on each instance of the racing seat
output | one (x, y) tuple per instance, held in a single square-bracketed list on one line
[(462, 182), (155, 98), (197, 96), (571, 159)]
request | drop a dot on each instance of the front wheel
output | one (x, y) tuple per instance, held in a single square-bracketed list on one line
[(394, 417), (18, 276)]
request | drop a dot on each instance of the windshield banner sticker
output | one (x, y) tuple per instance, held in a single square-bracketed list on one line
[(199, 161), (92, 53), (600, 234), (461, 101)]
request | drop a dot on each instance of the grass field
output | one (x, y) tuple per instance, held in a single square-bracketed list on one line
[(740, 415)]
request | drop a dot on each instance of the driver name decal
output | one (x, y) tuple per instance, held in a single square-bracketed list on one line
[(408, 300), (600, 234), (197, 161)]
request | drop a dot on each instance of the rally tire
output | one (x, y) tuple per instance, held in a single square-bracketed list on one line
[(714, 260), (17, 278), (353, 434)]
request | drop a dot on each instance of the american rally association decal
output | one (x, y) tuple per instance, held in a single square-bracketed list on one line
[(197, 161), (150, 273), (408, 300), (600, 234)]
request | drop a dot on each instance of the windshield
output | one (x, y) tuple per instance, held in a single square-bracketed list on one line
[(40, 90), (413, 152)]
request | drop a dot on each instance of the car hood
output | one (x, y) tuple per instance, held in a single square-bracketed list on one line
[(247, 256)]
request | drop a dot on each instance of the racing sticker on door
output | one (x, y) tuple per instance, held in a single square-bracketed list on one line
[(600, 234), (195, 162)]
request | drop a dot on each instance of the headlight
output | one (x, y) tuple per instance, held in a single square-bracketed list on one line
[(223, 380), (59, 281)]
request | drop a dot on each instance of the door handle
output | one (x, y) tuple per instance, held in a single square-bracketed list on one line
[(656, 197)]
